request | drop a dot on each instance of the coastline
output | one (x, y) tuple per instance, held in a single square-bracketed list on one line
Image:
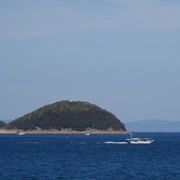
[(63, 131)]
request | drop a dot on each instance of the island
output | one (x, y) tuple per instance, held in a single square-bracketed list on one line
[(2, 124), (67, 117)]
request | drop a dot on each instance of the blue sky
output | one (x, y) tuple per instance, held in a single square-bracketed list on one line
[(122, 55)]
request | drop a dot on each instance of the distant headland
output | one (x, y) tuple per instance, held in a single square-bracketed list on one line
[(66, 117)]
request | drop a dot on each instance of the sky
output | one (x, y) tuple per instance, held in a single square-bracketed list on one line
[(122, 55)]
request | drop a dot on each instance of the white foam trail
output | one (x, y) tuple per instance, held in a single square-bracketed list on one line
[(111, 142)]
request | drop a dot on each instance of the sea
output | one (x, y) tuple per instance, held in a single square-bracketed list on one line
[(82, 157)]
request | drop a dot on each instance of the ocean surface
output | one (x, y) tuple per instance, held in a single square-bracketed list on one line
[(81, 157)]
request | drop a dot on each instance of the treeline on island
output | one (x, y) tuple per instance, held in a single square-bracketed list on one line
[(75, 115), (2, 124)]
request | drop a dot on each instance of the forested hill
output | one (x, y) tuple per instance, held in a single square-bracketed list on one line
[(2, 124), (68, 114)]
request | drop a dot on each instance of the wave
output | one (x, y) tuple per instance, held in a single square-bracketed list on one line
[(78, 142), (29, 142)]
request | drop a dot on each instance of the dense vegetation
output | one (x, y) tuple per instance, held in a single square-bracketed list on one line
[(68, 114), (2, 124)]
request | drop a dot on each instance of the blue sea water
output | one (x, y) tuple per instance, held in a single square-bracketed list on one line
[(80, 157)]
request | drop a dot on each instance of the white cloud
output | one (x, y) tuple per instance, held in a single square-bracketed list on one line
[(35, 19)]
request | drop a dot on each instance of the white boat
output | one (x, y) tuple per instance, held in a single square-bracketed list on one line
[(141, 140), (87, 134), (20, 134)]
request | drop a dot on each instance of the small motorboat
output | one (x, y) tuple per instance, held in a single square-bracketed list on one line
[(20, 133), (87, 134)]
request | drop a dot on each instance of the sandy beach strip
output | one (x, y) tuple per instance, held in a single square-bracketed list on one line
[(63, 131)]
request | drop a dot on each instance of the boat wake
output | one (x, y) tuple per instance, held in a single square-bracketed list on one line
[(112, 142)]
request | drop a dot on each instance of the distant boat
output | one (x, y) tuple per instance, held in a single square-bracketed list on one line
[(87, 134), (20, 133), (140, 140)]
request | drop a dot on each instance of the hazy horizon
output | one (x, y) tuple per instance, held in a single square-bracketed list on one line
[(121, 55)]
